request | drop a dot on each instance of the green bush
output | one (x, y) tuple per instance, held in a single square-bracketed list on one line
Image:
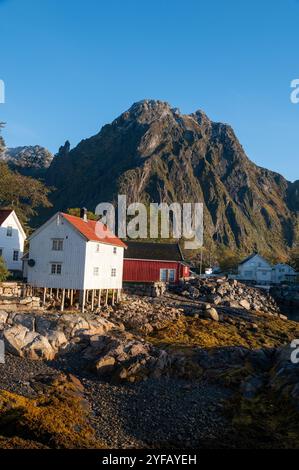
[(4, 273)]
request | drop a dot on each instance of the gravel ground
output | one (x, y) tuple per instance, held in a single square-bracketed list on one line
[(155, 413)]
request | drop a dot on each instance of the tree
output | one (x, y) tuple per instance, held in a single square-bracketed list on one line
[(76, 211), (22, 193), (2, 143), (228, 259), (4, 273)]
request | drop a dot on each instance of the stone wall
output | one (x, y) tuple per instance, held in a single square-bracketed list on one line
[(18, 304), (10, 289), (12, 298), (148, 289)]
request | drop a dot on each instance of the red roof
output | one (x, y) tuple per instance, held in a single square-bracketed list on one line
[(4, 213), (94, 231)]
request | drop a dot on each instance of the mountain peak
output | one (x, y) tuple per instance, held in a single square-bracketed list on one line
[(153, 153)]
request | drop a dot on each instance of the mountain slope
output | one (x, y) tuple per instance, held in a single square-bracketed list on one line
[(29, 160), (153, 153)]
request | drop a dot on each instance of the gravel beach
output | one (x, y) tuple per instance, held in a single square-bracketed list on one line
[(156, 413)]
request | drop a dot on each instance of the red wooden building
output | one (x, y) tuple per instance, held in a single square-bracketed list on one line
[(154, 262)]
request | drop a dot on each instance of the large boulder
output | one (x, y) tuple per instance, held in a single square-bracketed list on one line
[(39, 348), (3, 318), (245, 304), (22, 342), (26, 320), (15, 339), (104, 366), (211, 314)]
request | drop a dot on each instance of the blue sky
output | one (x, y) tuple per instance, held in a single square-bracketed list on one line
[(71, 66)]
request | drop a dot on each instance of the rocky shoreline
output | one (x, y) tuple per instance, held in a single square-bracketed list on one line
[(183, 370)]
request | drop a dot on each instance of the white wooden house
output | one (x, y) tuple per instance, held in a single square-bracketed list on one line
[(67, 252), (255, 268), (281, 271), (12, 239)]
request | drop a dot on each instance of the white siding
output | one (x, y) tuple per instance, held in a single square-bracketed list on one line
[(9, 244), (72, 257), (280, 271), (78, 258), (255, 269), (106, 260)]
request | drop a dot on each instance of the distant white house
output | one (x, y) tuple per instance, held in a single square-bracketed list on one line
[(281, 271), (68, 253), (12, 239), (255, 268)]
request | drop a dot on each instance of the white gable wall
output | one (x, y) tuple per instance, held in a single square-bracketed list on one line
[(280, 271), (255, 269), (9, 244), (72, 257), (105, 260)]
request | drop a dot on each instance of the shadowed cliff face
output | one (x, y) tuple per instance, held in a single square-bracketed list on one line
[(153, 153)]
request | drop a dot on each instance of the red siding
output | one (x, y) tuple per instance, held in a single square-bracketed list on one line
[(149, 271)]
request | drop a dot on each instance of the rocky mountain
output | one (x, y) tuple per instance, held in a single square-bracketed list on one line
[(30, 160), (154, 153)]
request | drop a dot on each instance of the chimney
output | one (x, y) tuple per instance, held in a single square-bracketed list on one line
[(83, 214)]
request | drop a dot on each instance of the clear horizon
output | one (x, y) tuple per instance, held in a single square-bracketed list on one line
[(69, 68)]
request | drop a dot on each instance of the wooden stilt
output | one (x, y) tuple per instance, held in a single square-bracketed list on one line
[(44, 296), (106, 299), (62, 300), (71, 297), (57, 294), (113, 295), (51, 291), (83, 297), (99, 298), (92, 300)]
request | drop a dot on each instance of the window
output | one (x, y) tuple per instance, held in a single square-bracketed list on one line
[(55, 268), (114, 250), (1, 251), (16, 255), (95, 271), (57, 244), (167, 275), (113, 272), (9, 231)]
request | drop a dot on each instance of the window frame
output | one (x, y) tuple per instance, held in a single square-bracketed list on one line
[(9, 230), (56, 271), (17, 252), (59, 242)]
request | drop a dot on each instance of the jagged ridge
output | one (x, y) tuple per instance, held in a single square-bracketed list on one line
[(152, 152)]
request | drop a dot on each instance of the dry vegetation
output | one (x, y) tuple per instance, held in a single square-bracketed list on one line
[(56, 418)]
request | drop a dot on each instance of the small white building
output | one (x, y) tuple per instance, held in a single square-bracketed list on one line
[(68, 252), (255, 268), (281, 271), (12, 239)]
